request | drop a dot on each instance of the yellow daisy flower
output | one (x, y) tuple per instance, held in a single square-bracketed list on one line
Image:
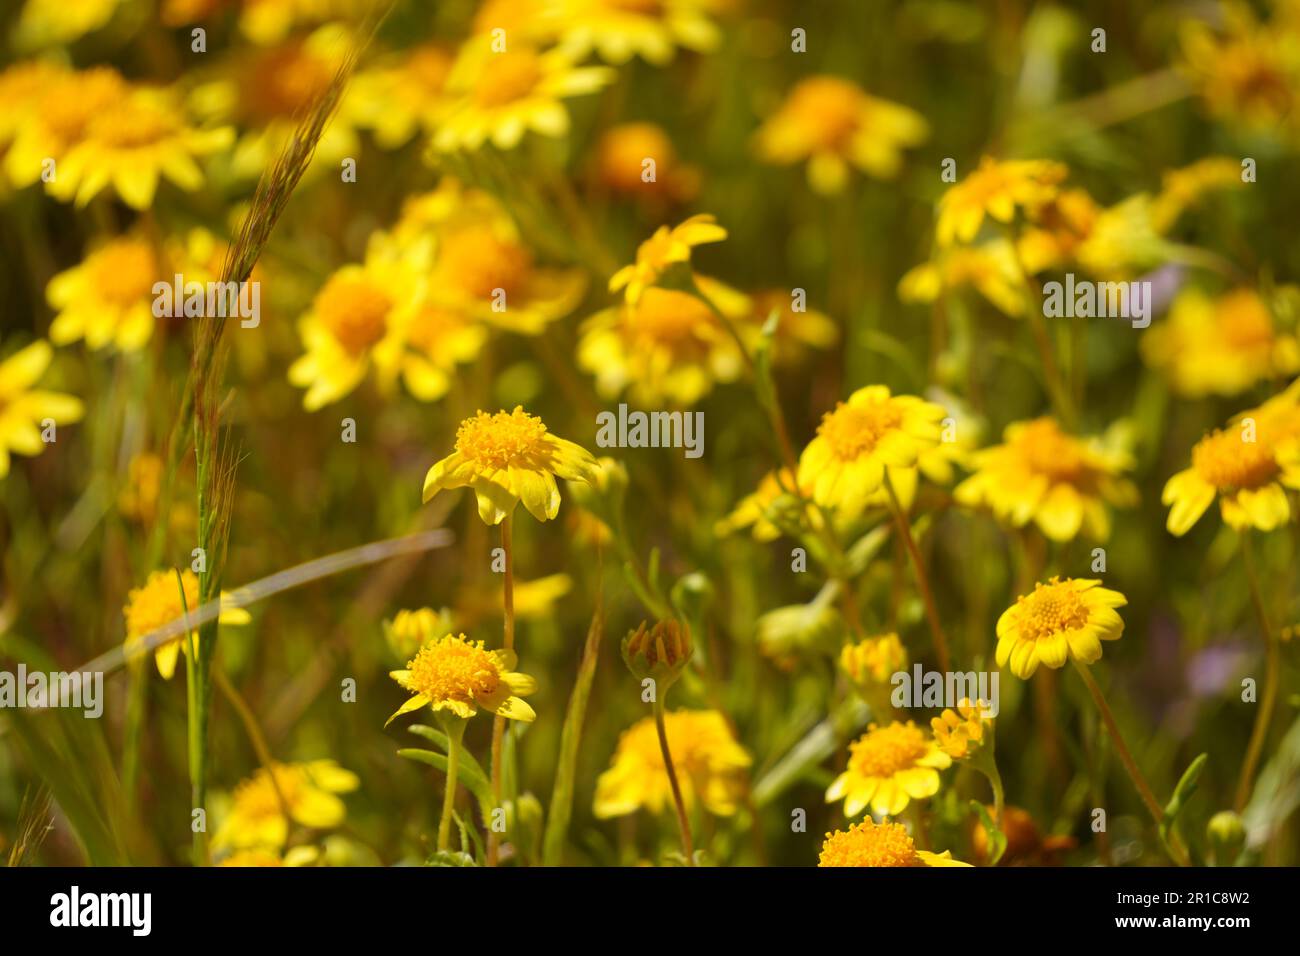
[(991, 269), (510, 457), (1057, 227), (133, 143), (436, 341), (24, 409), (107, 300), (995, 189), (1219, 346), (710, 765), (23, 87), (457, 675), (1044, 475), (499, 97), (889, 767), (878, 844), (755, 510), (398, 100), (1247, 466), (620, 165), (666, 347), (356, 324), (618, 30), (873, 661), (57, 119), (871, 437), (666, 248), (834, 125), (157, 603), (1059, 620), (959, 733), (309, 791)]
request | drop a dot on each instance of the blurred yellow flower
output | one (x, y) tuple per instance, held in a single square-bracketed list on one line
[(618, 30), (959, 733), (256, 818), (833, 125), (872, 438), (666, 248), (889, 767), (991, 269), (1059, 620), (1044, 475), (1219, 346), (1248, 74), (404, 97), (436, 340), (620, 163), (24, 409), (873, 660), (157, 603), (270, 21), (1247, 466), (356, 323), (262, 857), (878, 844), (23, 86), (108, 298), (1183, 188), (132, 144), (508, 457), (710, 766), (457, 675), (1056, 228), (500, 96), (995, 189), (667, 347), (55, 117), (46, 23), (797, 330)]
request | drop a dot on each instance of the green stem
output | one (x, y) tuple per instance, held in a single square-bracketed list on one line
[(922, 581), (455, 729), (683, 823), (1272, 665), (499, 722)]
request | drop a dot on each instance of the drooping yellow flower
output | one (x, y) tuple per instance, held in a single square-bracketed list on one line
[(995, 189), (667, 347), (45, 23), (873, 661), (356, 324), (309, 792), (889, 767), (404, 97), (618, 30), (55, 119), (1247, 466), (879, 844), (776, 489), (497, 97), (1219, 346), (1059, 620), (1041, 474), (959, 733), (24, 410), (834, 125), (457, 675), (508, 457), (991, 269), (872, 437), (710, 766), (108, 298), (621, 166), (666, 248), (157, 603), (133, 144)]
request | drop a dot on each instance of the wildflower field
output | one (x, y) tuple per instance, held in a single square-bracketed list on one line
[(676, 433)]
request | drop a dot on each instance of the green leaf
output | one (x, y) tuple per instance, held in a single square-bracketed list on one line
[(471, 777), (438, 737)]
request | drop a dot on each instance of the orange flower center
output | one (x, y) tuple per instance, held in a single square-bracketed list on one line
[(432, 328), (480, 261), (870, 844), (1226, 461), (855, 430), (75, 100), (282, 83), (1245, 322), (122, 273), (884, 751), (132, 126), (1051, 452), (508, 77), (668, 317), (354, 310), (1052, 609), (501, 440), (830, 109), (454, 668)]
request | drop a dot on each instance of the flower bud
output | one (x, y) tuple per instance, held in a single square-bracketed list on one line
[(1227, 835), (660, 652)]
